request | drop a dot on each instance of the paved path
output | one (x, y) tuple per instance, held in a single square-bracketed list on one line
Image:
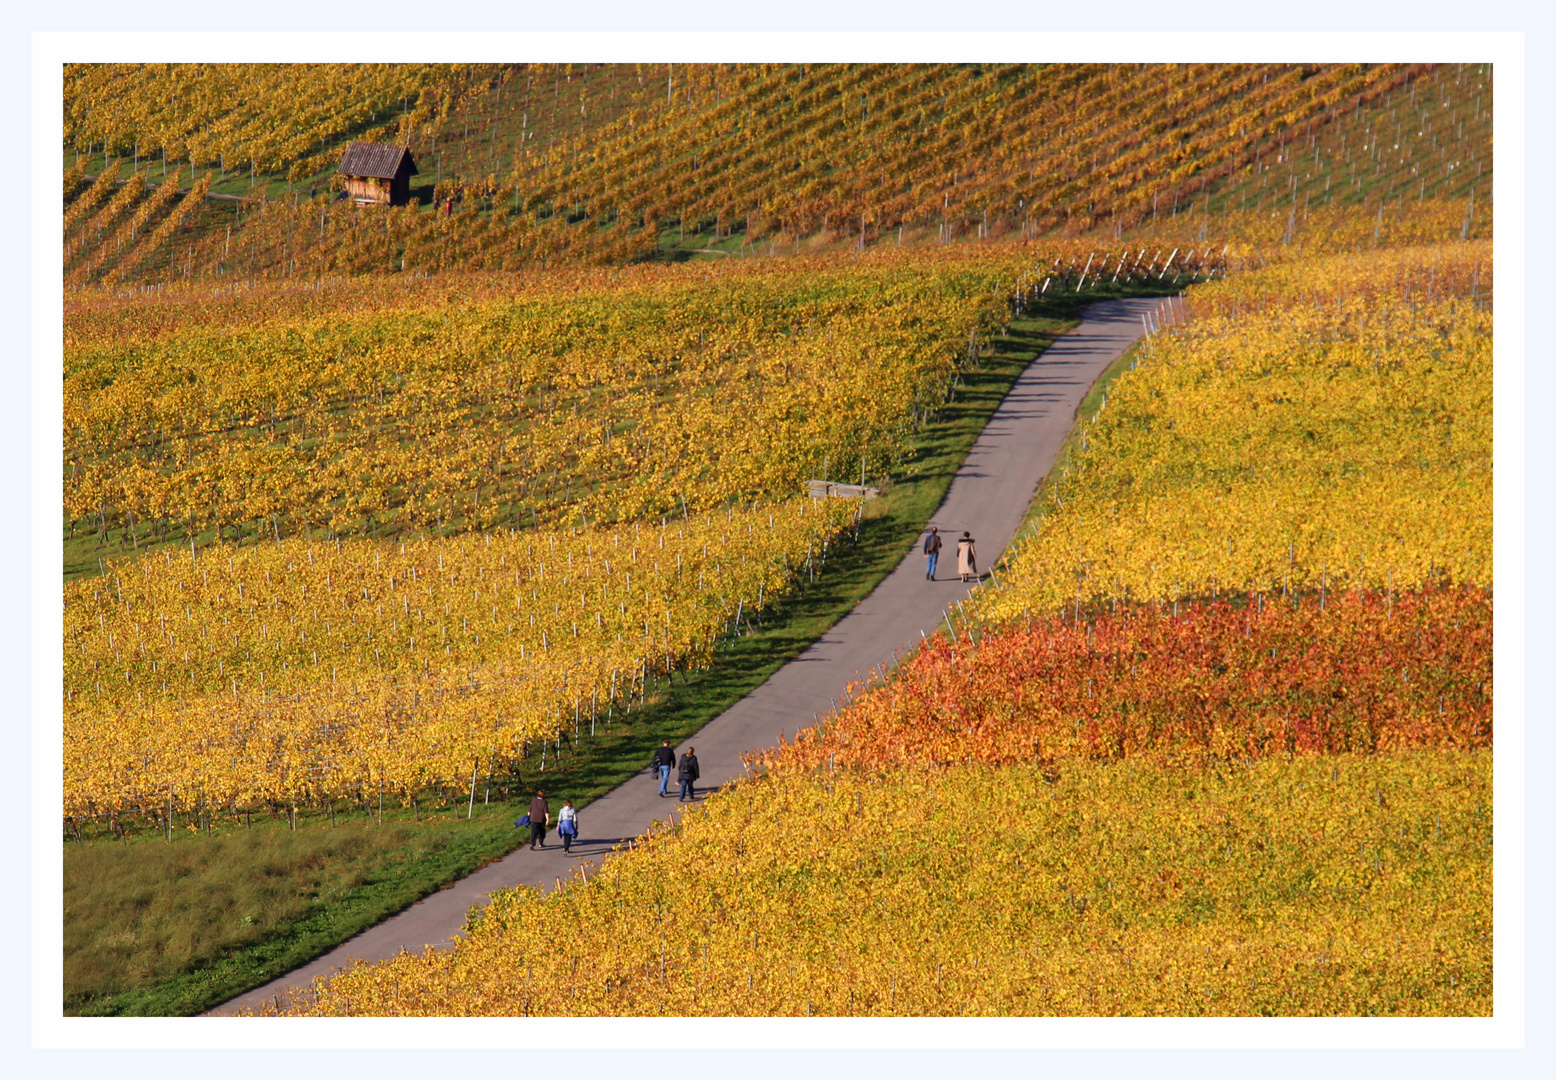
[(988, 497)]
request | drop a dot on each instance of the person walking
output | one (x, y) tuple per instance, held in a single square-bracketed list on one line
[(966, 557), (931, 552), (688, 775), (664, 761), (567, 824), (539, 820)]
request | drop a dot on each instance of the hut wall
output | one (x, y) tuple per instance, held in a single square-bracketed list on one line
[(367, 188)]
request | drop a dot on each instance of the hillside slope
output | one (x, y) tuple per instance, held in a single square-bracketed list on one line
[(618, 163)]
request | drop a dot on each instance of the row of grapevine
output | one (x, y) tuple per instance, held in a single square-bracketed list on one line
[(1276, 888), (1348, 672), (627, 399), (867, 152), (290, 672), (1319, 424)]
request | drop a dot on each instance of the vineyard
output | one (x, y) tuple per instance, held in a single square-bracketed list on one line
[(622, 400), (611, 396), (619, 163), (1222, 784), (371, 512), (1358, 672), (1268, 888), (254, 119), (1314, 426), (292, 673)]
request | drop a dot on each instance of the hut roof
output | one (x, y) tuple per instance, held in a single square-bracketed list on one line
[(376, 159)]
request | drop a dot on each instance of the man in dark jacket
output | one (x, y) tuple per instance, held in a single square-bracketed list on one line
[(539, 820), (688, 775), (664, 761), (931, 552)]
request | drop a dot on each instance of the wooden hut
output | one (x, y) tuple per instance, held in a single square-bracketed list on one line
[(377, 174)]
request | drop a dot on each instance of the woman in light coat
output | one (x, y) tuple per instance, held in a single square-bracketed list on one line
[(966, 557)]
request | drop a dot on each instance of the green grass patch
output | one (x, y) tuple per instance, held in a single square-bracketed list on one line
[(156, 928)]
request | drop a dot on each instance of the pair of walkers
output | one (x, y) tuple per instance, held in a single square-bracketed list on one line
[(687, 772), (966, 555), (539, 820)]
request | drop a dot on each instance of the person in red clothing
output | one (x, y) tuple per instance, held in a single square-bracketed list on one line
[(539, 820)]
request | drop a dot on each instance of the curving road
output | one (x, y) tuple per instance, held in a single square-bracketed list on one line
[(988, 497)]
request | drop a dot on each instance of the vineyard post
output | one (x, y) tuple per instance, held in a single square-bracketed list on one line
[(1082, 280)]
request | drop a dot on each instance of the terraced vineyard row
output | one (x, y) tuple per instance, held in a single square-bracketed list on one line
[(752, 159), (634, 397), (294, 673), (1318, 425)]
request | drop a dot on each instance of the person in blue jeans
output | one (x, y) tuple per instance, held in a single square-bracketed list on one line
[(664, 761), (932, 552), (567, 825)]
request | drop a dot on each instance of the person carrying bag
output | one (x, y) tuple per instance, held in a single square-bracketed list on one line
[(664, 760)]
